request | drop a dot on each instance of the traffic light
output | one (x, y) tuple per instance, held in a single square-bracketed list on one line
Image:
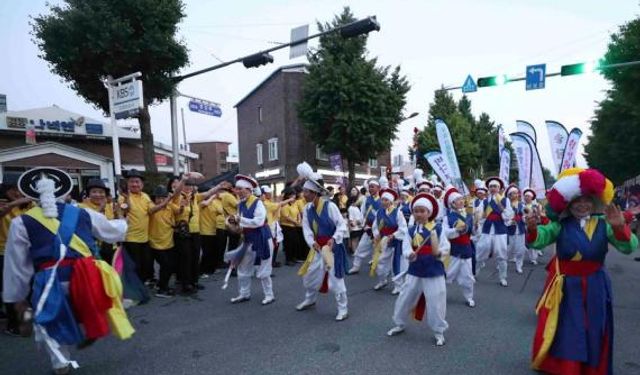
[(360, 27), (256, 60), (492, 81), (573, 69)]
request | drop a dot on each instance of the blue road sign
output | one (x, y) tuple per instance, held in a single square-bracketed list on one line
[(469, 85), (536, 76), (206, 108)]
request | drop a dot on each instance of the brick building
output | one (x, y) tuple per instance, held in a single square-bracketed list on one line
[(74, 143), (213, 158), (272, 141)]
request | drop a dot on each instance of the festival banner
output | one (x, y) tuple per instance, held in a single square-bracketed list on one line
[(528, 129), (500, 140), (335, 160), (505, 163), (449, 153), (440, 166), (522, 151), (558, 135), (571, 150), (537, 177)]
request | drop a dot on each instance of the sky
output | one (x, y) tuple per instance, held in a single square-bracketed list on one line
[(436, 42)]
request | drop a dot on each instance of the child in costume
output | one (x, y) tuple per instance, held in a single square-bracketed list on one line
[(574, 335)]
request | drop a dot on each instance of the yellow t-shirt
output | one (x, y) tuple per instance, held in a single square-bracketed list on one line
[(192, 218), (229, 203), (108, 208), (161, 225), (5, 223), (138, 217), (272, 210), (208, 218), (301, 203), (216, 205), (288, 213)]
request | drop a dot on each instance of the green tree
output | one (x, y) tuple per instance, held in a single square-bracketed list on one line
[(615, 129), (85, 40), (350, 104)]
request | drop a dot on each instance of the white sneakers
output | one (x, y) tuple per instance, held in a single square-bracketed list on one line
[(395, 331), (471, 303), (239, 299), (353, 270), (518, 269), (304, 305), (534, 262), (380, 285), (395, 291), (503, 282), (342, 315), (268, 300), (439, 339)]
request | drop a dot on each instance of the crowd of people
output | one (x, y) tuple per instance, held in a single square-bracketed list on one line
[(415, 237)]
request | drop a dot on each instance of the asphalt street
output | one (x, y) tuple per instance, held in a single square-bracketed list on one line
[(205, 334)]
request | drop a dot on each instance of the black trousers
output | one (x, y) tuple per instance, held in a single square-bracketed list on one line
[(302, 250), (141, 254), (291, 243), (220, 247), (229, 239), (167, 261), (208, 261), (188, 253), (9, 309)]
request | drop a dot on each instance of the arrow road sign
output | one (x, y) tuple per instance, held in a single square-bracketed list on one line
[(536, 76), (469, 85)]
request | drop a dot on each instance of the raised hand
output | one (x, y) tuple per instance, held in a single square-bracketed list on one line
[(614, 216)]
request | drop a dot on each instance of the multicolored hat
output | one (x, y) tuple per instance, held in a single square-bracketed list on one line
[(451, 195), (428, 201), (576, 182), (389, 194), (246, 182), (529, 191), (497, 179), (27, 183), (510, 189)]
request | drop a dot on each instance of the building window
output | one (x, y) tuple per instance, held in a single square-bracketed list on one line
[(373, 163), (397, 161), (259, 115), (273, 149), (223, 167), (259, 153), (321, 155)]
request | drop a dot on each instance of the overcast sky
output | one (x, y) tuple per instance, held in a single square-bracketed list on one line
[(435, 42)]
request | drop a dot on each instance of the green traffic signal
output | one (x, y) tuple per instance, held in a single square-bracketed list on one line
[(580, 68), (492, 81)]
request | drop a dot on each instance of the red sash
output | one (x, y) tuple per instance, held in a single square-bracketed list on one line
[(464, 239)]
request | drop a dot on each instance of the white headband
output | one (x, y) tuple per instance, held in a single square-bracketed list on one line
[(452, 198), (388, 196), (242, 183), (423, 202), (528, 193), (494, 183)]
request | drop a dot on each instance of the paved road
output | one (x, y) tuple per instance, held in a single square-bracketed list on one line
[(207, 335)]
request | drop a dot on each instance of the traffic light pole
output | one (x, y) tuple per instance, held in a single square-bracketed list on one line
[(352, 29), (516, 79)]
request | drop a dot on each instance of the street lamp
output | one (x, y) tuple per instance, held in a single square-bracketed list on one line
[(414, 114)]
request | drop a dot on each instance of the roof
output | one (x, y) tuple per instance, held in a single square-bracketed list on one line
[(298, 68), (210, 141)]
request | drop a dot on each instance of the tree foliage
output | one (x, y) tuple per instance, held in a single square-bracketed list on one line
[(86, 40), (615, 129), (475, 140), (350, 104)]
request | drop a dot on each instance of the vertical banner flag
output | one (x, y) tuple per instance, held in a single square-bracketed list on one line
[(537, 178), (505, 162), (500, 140), (528, 129), (336, 164), (523, 156), (570, 151), (558, 136), (440, 166), (449, 153)]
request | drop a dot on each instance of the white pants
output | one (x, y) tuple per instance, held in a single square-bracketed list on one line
[(517, 248), (461, 272), (498, 244), (56, 362), (246, 269), (385, 266), (364, 250), (312, 282), (435, 292)]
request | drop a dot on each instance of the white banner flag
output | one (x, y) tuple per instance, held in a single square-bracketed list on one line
[(528, 129), (558, 140), (523, 156), (537, 177), (449, 153), (505, 163), (571, 150), (500, 140), (440, 166)]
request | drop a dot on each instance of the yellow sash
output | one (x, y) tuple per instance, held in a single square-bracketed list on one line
[(120, 325), (550, 300), (312, 253)]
